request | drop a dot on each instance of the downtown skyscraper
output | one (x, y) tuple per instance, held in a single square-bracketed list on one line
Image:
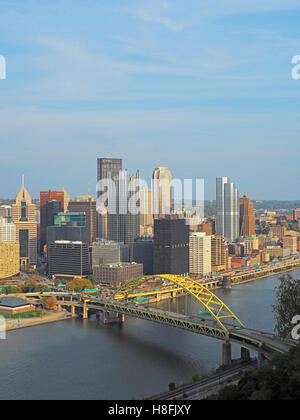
[(107, 168), (162, 192), (247, 218), (123, 224), (227, 199)]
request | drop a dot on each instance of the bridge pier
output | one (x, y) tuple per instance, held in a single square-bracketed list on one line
[(85, 312), (112, 318), (260, 359), (245, 354), (73, 309), (226, 354)]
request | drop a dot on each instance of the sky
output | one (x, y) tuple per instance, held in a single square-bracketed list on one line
[(202, 87)]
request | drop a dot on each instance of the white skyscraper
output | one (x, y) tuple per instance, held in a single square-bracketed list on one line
[(227, 209), (162, 192), (7, 231), (200, 254)]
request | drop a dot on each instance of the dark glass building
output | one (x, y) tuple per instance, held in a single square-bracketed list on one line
[(143, 253), (87, 206), (67, 258), (75, 219), (171, 246), (52, 209), (66, 232), (108, 168), (24, 243), (123, 225)]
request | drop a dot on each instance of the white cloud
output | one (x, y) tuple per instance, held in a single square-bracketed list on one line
[(155, 11)]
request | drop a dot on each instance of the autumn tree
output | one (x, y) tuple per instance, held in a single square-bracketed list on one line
[(78, 284), (50, 303)]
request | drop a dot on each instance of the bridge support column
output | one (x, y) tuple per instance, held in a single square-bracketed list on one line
[(113, 318), (226, 357), (260, 359), (59, 307), (85, 312), (245, 354), (121, 317), (73, 309)]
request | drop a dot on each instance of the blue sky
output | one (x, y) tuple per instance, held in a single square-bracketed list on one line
[(203, 87)]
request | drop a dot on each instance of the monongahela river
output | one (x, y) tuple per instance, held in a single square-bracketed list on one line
[(77, 359)]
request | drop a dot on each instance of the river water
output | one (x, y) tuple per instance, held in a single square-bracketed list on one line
[(82, 359)]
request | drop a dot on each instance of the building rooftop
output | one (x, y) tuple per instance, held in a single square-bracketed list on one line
[(119, 264), (68, 242), (10, 302)]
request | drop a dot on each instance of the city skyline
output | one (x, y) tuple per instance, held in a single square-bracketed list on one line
[(212, 83), (149, 204), (89, 192)]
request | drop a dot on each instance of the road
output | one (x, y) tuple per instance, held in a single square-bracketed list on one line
[(198, 389)]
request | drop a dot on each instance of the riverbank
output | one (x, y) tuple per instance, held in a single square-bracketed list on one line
[(48, 318), (264, 276)]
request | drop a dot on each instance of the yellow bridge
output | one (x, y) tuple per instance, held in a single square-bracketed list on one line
[(207, 299), (222, 323)]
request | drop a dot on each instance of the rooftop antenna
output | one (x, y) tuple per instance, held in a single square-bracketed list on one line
[(23, 186)]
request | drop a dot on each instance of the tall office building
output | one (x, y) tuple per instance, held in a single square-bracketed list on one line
[(66, 232), (162, 192), (171, 246), (247, 218), (200, 254), (45, 197), (9, 259), (227, 209), (5, 211), (106, 252), (68, 227), (143, 249), (9, 249), (146, 219), (7, 230), (86, 205), (122, 224), (218, 253), (75, 219), (53, 207), (24, 218), (68, 258), (290, 243), (66, 200), (107, 168)]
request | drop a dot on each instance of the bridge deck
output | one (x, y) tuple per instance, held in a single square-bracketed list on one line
[(253, 340)]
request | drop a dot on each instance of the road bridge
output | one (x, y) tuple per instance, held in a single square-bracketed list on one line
[(222, 323)]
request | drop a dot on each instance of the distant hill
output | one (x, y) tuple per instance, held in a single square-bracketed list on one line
[(276, 205)]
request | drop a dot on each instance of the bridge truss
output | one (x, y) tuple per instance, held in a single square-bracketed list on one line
[(207, 299)]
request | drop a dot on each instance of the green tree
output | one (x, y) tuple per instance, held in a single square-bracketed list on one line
[(277, 380), (92, 279), (9, 290), (287, 305)]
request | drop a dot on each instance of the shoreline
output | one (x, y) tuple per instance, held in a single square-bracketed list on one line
[(263, 277), (40, 321)]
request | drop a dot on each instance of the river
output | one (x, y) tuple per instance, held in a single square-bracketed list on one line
[(82, 359)]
